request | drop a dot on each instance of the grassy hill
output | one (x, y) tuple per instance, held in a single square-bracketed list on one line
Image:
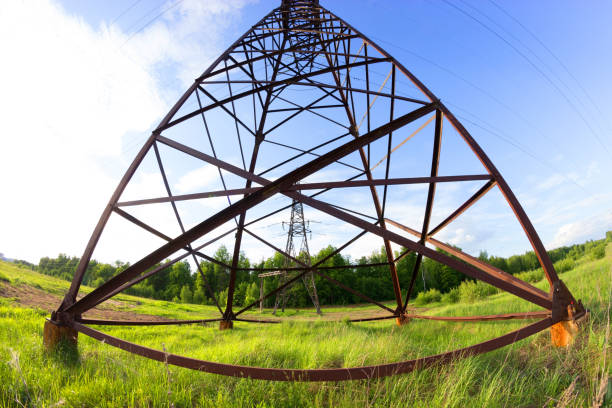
[(530, 373)]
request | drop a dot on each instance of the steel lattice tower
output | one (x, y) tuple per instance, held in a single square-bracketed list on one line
[(298, 231), (304, 108)]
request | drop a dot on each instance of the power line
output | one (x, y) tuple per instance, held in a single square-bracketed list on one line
[(542, 62), (148, 23), (124, 12), (559, 61), (504, 137), (483, 91), (530, 62), (531, 51)]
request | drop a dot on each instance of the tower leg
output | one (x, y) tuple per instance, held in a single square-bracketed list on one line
[(567, 313), (312, 290), (261, 295)]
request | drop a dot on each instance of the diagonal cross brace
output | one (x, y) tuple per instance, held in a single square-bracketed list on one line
[(247, 202)]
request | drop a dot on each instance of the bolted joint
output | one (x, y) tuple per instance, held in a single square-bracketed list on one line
[(259, 137), (354, 131), (63, 318), (564, 306)]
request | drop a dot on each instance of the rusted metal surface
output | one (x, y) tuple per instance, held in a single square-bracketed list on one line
[(303, 47), (331, 374), (484, 318)]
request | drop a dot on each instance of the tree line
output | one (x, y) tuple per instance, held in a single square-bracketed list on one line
[(179, 283)]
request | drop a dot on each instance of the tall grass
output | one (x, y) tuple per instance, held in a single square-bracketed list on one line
[(530, 373)]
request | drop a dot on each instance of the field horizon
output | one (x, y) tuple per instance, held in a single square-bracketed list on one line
[(528, 373)]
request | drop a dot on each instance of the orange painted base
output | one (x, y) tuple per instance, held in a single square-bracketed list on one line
[(226, 325), (563, 333), (53, 334), (402, 320)]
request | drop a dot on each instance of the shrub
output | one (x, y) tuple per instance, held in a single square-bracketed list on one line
[(186, 295), (452, 296), (199, 296), (598, 252), (533, 276), (4, 278), (470, 291), (564, 265), (432, 295)]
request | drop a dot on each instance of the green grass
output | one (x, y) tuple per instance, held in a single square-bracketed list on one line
[(530, 373)]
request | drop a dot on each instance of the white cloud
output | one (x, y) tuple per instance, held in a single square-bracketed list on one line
[(197, 179), (589, 227), (552, 181), (70, 95)]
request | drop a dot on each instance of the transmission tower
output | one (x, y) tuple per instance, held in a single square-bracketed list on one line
[(298, 230), (310, 96)]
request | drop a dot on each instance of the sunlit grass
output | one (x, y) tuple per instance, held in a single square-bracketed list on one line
[(528, 373)]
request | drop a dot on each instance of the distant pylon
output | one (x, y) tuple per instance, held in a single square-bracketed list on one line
[(298, 229)]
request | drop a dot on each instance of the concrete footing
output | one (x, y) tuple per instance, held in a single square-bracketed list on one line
[(54, 333), (226, 325)]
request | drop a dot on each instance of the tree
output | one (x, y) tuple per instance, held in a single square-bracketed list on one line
[(186, 295), (252, 294)]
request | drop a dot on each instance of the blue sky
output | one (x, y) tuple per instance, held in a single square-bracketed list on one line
[(103, 75)]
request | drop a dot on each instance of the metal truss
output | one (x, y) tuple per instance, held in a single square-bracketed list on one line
[(298, 230), (303, 95)]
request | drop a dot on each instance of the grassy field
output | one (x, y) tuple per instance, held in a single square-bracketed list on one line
[(530, 373)]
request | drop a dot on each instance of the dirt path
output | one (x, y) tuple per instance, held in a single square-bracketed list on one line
[(28, 296)]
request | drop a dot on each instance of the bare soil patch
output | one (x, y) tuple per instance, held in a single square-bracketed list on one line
[(29, 296)]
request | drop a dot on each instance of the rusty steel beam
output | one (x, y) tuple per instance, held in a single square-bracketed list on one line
[(470, 201), (235, 209), (544, 297), (530, 231), (102, 322), (329, 374), (435, 161), (483, 318), (70, 297)]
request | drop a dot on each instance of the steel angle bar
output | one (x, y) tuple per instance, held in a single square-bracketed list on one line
[(470, 201), (518, 210), (298, 268), (158, 269), (374, 194), (329, 374), (185, 197), (268, 86), (102, 322), (70, 296), (483, 318), (249, 201), (465, 268), (430, 199), (257, 320), (545, 297), (371, 319)]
